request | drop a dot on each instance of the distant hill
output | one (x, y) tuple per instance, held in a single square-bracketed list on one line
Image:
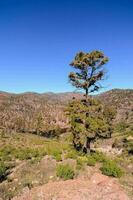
[(29, 111), (122, 100)]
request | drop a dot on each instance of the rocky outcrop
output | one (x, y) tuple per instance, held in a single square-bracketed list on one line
[(98, 187)]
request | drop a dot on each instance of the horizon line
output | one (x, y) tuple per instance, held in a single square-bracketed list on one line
[(52, 92)]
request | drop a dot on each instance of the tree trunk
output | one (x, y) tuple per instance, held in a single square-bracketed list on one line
[(86, 93), (86, 147)]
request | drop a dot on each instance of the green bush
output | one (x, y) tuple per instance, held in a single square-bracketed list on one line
[(65, 172), (99, 157), (81, 161), (25, 154), (91, 161), (71, 154), (88, 160), (121, 126), (5, 153), (56, 153), (3, 171), (57, 157), (110, 168)]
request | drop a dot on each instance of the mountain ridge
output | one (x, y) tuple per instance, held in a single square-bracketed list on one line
[(22, 111)]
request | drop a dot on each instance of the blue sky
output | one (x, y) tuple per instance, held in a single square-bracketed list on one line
[(39, 38)]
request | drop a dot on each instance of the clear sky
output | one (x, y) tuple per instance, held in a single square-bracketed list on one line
[(39, 38)]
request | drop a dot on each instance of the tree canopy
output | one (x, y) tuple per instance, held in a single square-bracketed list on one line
[(89, 121), (89, 71)]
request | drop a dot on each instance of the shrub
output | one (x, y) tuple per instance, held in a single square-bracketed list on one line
[(98, 156), (71, 154), (3, 171), (81, 161), (91, 161), (5, 153), (65, 172), (57, 157), (56, 153), (121, 126), (25, 154), (110, 168)]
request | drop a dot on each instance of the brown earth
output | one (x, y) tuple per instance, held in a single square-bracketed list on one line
[(98, 187), (25, 112)]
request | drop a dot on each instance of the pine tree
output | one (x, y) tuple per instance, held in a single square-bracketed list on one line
[(89, 119), (89, 71)]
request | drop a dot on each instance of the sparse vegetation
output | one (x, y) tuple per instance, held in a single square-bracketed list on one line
[(99, 156), (3, 171), (26, 153), (110, 168), (81, 161), (65, 172), (121, 126), (91, 161), (57, 155), (71, 154)]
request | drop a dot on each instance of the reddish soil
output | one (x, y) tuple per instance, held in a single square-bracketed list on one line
[(98, 187)]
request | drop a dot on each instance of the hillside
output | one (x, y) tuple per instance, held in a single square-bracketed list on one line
[(32, 112), (29, 163), (30, 169), (122, 100)]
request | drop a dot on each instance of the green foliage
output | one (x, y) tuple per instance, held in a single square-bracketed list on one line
[(82, 160), (90, 70), (88, 121), (91, 161), (25, 154), (31, 147), (55, 151), (109, 112), (3, 171), (85, 160), (110, 168), (125, 142), (5, 153), (99, 157), (8, 153), (65, 172), (121, 126), (71, 154), (57, 155)]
